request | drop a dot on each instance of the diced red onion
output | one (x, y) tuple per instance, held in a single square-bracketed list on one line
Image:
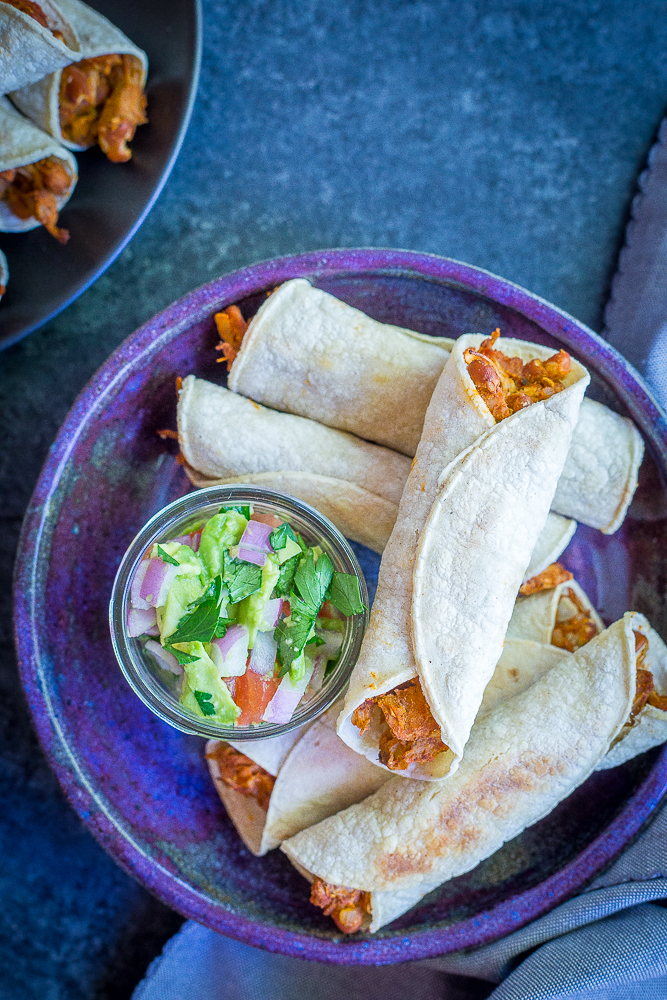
[(139, 620), (182, 539), (153, 630), (136, 600), (195, 540), (271, 612), (230, 654), (157, 580), (284, 702), (254, 545), (263, 654), (165, 659), (317, 680)]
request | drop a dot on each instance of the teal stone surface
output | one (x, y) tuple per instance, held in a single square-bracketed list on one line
[(509, 135)]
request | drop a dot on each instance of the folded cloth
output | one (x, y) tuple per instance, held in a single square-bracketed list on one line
[(608, 943)]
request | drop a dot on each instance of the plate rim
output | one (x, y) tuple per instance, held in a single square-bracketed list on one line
[(15, 338), (486, 926)]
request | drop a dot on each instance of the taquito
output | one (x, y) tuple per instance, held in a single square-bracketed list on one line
[(375, 860), (37, 176), (98, 97), (306, 352), (225, 438), (35, 39), (470, 515)]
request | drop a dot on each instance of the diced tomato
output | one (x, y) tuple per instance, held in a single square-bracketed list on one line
[(329, 611), (271, 519), (253, 694), (286, 608)]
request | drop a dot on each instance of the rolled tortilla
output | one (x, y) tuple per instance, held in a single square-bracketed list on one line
[(23, 143), (649, 729), (522, 759), (28, 51), (470, 516), (97, 37), (4, 273), (308, 353), (317, 777), (361, 485), (342, 368), (534, 617)]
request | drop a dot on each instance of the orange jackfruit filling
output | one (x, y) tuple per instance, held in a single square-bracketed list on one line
[(507, 384), (32, 192), (348, 907), (548, 579), (243, 775), (102, 101), (231, 328), (412, 736), (574, 632)]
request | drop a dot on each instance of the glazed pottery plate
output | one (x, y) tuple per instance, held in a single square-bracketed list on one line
[(142, 787), (111, 200)]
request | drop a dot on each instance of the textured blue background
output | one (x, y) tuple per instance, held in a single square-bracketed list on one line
[(508, 134)]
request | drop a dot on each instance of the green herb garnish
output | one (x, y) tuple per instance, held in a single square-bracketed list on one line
[(204, 702), (221, 628), (278, 538), (344, 593), (244, 511), (182, 657), (198, 625), (315, 641), (312, 580), (166, 557), (291, 639), (242, 579), (287, 571)]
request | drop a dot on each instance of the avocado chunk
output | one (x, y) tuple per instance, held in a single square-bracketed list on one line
[(222, 531), (249, 611), (204, 693)]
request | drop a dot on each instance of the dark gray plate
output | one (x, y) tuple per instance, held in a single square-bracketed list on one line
[(111, 200)]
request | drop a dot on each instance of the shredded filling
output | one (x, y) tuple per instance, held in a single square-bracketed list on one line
[(412, 735), (32, 192), (548, 579), (102, 100), (34, 11), (507, 384), (243, 775), (645, 686), (575, 631), (348, 907), (231, 329)]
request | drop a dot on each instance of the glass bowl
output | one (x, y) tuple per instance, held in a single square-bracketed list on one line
[(160, 690)]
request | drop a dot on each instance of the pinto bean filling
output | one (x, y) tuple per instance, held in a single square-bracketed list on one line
[(412, 735), (348, 907), (34, 11), (548, 579), (243, 775), (32, 192), (102, 100), (507, 384)]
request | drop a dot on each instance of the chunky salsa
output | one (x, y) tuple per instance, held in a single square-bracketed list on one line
[(247, 614)]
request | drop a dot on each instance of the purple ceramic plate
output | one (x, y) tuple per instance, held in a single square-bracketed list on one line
[(142, 787)]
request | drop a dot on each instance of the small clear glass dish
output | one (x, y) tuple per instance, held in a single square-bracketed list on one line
[(158, 688)]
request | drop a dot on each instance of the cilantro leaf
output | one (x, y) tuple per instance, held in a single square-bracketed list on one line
[(166, 557), (313, 578), (278, 538), (204, 702), (331, 665), (291, 638), (315, 641), (242, 579), (221, 628), (198, 625), (286, 576), (345, 594), (244, 511), (212, 593), (181, 656)]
